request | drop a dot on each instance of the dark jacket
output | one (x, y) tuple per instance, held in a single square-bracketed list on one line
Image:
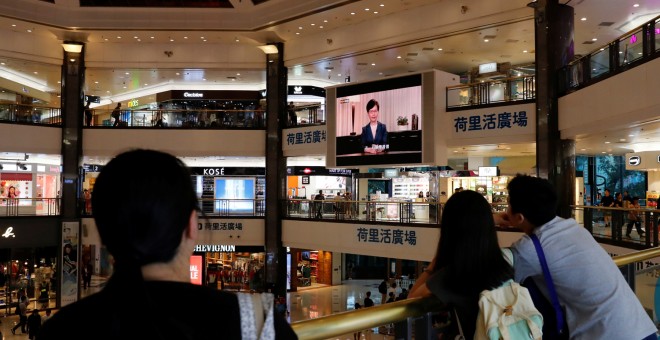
[(368, 139)]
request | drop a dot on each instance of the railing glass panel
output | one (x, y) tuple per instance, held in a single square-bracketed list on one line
[(599, 63)]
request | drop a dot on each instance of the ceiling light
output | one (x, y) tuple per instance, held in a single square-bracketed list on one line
[(325, 20), (236, 39), (607, 142), (313, 24), (439, 49), (185, 37), (29, 31), (13, 25), (622, 139), (594, 39), (297, 33), (636, 5), (373, 64), (631, 135), (96, 82), (398, 57), (486, 40), (375, 12), (118, 37), (584, 19), (299, 27), (269, 49), (320, 26), (72, 46), (382, 5), (524, 51), (135, 37), (201, 37), (352, 13), (127, 73), (366, 9), (151, 37)]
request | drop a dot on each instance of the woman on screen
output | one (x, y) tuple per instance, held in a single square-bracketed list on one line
[(374, 134)]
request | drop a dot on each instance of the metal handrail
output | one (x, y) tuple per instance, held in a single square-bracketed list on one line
[(352, 321)]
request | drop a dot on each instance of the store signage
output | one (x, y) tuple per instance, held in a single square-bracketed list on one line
[(340, 171), (92, 168), (133, 103), (488, 171), (9, 232), (390, 173), (306, 137), (306, 90), (319, 171), (386, 235), (196, 270), (220, 226), (305, 179), (193, 95), (216, 248), (643, 161), (297, 90), (491, 121), (214, 171), (487, 68), (636, 160)]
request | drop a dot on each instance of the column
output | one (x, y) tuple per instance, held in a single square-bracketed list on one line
[(72, 97), (554, 49), (276, 118)]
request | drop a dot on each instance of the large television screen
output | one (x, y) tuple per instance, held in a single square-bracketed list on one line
[(379, 122), (234, 195)]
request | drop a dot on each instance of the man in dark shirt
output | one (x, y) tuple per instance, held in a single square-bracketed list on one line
[(607, 201), (319, 204), (368, 302)]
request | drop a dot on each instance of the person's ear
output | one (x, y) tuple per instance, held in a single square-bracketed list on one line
[(191, 231), (516, 219)]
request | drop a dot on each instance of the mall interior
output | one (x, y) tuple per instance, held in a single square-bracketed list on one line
[(263, 100)]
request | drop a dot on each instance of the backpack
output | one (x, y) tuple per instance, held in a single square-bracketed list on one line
[(382, 288), (508, 312)]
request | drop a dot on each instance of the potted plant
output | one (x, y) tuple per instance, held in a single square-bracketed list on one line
[(402, 122)]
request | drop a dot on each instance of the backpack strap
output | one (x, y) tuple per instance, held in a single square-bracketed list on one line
[(549, 283)]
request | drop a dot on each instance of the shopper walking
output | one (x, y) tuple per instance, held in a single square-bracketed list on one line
[(22, 314)]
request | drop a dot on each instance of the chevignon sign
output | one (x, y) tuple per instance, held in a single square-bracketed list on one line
[(193, 95)]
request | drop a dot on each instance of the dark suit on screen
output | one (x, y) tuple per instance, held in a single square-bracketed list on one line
[(368, 139)]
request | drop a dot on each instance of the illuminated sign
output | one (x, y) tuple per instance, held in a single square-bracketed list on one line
[(297, 90), (488, 171), (636, 160), (214, 171), (9, 232), (133, 103), (193, 95), (196, 270), (487, 68), (216, 248)]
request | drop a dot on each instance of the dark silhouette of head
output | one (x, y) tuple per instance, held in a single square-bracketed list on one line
[(141, 219), (468, 248), (533, 197)]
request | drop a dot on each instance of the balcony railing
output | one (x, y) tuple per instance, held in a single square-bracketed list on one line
[(29, 206), (636, 47), (412, 318), (30, 114), (491, 92)]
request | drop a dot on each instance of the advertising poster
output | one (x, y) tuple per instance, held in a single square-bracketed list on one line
[(196, 269), (69, 268)]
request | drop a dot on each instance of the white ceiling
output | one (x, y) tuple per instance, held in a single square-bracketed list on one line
[(325, 41)]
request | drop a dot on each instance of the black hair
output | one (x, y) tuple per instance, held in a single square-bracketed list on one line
[(533, 197), (468, 248), (141, 219), (371, 104)]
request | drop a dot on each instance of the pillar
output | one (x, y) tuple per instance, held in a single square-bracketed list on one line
[(555, 158), (276, 119)]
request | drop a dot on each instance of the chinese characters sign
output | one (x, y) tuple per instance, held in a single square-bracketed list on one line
[(495, 121), (220, 226), (387, 236), (306, 137)]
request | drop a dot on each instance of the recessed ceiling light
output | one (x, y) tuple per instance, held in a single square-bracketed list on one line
[(29, 31), (107, 91), (299, 27), (106, 39), (603, 152), (455, 151), (594, 39), (636, 5), (373, 64), (204, 79), (35, 72), (398, 57), (13, 25), (237, 40), (338, 74), (185, 37), (352, 13), (524, 51), (375, 12), (238, 74), (151, 37), (366, 9), (96, 82), (139, 40), (486, 40), (325, 20), (177, 73), (135, 37), (118, 37), (382, 5), (313, 24), (583, 149), (297, 33), (146, 84), (607, 142), (622, 139), (594, 69), (602, 49), (631, 135), (201, 37), (584, 19), (204, 40), (320, 26), (127, 73), (124, 86), (439, 49), (171, 39)]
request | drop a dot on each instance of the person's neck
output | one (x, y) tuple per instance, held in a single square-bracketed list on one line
[(373, 123), (176, 270)]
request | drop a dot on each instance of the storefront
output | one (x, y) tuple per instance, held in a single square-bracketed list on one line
[(308, 268), (230, 190), (33, 187), (305, 182), (229, 267), (28, 259), (308, 104)]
